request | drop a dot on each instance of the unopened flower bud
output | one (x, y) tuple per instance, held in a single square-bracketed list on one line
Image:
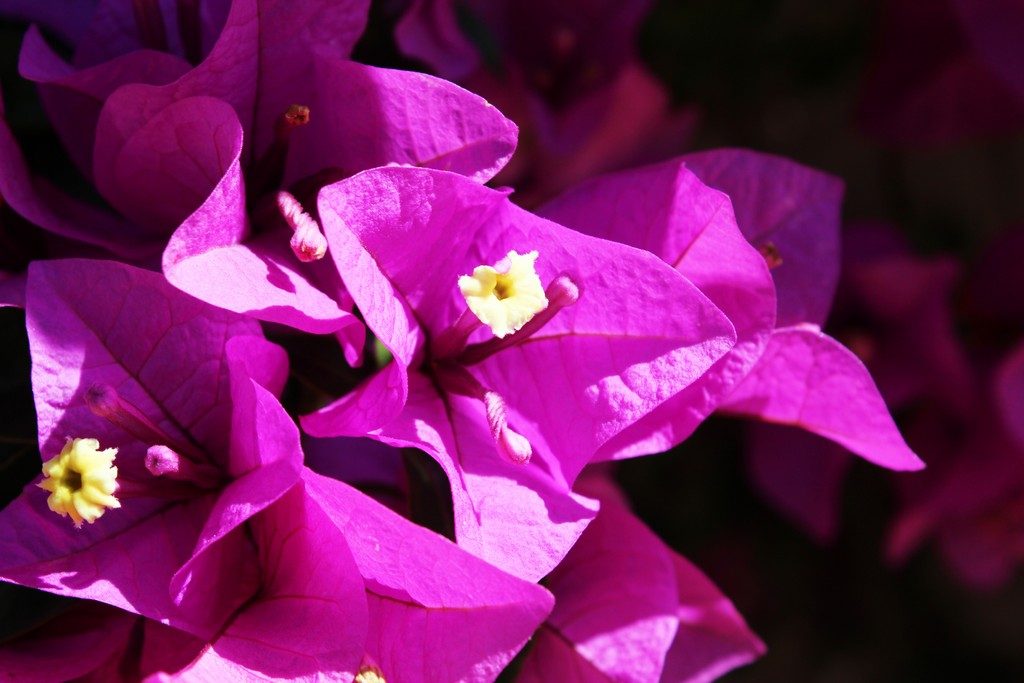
[(308, 243), (164, 461), (511, 445)]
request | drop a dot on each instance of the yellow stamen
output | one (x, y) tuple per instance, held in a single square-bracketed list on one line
[(370, 674), (81, 480), (506, 296)]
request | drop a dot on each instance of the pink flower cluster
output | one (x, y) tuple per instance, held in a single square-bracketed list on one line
[(252, 181)]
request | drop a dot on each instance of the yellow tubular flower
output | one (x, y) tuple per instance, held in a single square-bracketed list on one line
[(81, 480), (370, 674), (506, 296)]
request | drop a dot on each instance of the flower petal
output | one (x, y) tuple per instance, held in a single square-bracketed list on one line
[(363, 116), (638, 334), (666, 210), (807, 379), (436, 612), (210, 257), (309, 620), (792, 207)]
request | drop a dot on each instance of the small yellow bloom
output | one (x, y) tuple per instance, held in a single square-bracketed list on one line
[(506, 296), (81, 481), (370, 674)]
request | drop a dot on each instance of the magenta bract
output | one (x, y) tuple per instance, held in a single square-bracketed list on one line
[(639, 332), (628, 608), (111, 340)]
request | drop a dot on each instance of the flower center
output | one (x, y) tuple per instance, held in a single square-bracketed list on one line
[(71, 480), (507, 295), (509, 298), (81, 480), (505, 287)]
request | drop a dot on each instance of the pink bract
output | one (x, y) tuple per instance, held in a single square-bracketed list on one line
[(629, 609), (400, 238), (787, 210), (93, 332)]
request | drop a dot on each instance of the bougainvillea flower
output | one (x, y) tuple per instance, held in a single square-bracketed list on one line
[(627, 608), (109, 50), (667, 210), (280, 69), (621, 332), (345, 586), (98, 350), (348, 585), (73, 97), (790, 214), (436, 612), (567, 73), (351, 117), (945, 70), (273, 105), (195, 454), (253, 53), (262, 62), (360, 117)]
